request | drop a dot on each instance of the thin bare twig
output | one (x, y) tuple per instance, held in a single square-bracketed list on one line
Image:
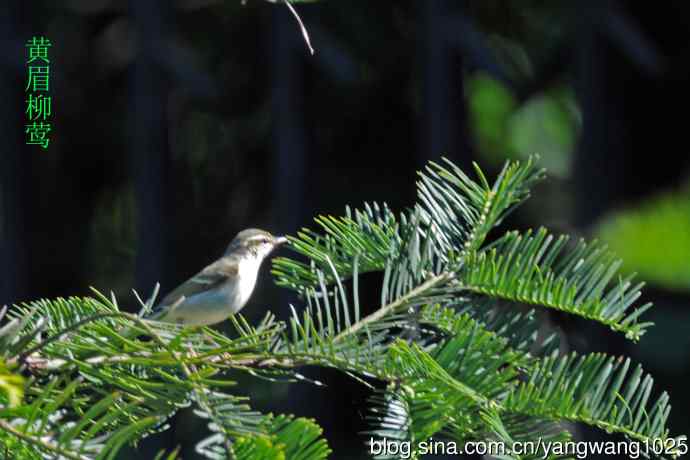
[(305, 34)]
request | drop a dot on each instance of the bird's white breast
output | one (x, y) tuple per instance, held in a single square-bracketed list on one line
[(248, 270)]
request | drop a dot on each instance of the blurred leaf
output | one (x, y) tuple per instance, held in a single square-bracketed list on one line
[(490, 106), (12, 385), (547, 124), (653, 239)]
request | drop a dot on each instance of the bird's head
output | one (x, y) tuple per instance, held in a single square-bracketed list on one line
[(255, 243)]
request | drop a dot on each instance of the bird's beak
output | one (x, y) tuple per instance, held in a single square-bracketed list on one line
[(280, 240)]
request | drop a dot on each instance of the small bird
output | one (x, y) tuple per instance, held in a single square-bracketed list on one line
[(223, 287)]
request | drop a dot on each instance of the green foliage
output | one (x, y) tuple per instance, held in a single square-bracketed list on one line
[(450, 350), (287, 438), (257, 436), (547, 122), (591, 389), (654, 239), (535, 269), (11, 385), (490, 105)]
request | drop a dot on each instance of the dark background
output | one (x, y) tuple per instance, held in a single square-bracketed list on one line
[(178, 123)]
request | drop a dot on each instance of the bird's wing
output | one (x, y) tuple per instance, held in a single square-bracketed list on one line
[(216, 273)]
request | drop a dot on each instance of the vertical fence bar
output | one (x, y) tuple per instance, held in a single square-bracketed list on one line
[(149, 146), (149, 154), (287, 96), (444, 130), (14, 184)]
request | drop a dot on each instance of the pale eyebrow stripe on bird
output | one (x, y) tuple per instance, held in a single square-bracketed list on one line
[(258, 238)]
